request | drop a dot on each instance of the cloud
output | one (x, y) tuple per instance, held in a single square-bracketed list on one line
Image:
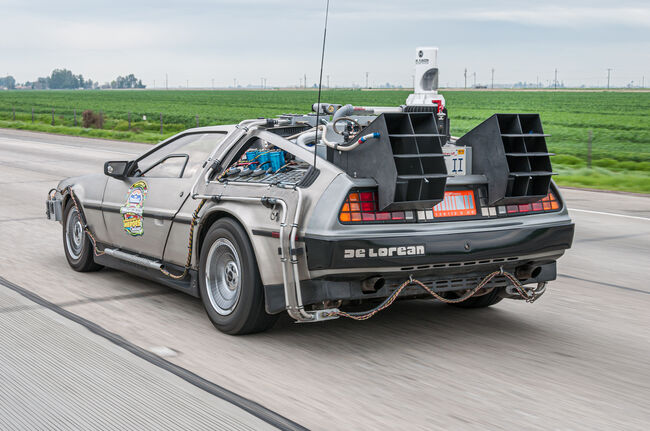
[(565, 16), (549, 15)]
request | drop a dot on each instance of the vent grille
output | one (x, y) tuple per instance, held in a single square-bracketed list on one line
[(510, 150), (417, 154), (529, 163), (451, 284)]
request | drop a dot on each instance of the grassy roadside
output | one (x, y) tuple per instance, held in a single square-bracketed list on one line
[(605, 174), (144, 137), (616, 120)]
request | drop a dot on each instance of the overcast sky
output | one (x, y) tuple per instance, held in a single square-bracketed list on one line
[(201, 40)]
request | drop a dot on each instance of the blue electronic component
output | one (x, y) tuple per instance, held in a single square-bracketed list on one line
[(264, 158), (251, 154), (277, 160)]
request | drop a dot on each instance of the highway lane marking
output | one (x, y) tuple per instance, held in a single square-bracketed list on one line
[(610, 214), (605, 284)]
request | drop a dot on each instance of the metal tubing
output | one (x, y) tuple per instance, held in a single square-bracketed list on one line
[(292, 296), (119, 254), (294, 260)]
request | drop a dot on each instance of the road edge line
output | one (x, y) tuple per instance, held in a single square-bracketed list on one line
[(609, 214)]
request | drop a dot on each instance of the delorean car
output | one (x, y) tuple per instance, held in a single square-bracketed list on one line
[(313, 214)]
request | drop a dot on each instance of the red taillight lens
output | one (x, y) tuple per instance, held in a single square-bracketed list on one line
[(549, 203), (361, 206)]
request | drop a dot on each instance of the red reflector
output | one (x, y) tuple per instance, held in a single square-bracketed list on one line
[(524, 208), (368, 216), (512, 209), (537, 206), (399, 215), (275, 234)]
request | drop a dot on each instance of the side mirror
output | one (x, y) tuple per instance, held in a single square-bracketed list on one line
[(117, 169)]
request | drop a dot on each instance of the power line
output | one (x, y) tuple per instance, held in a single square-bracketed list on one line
[(609, 71)]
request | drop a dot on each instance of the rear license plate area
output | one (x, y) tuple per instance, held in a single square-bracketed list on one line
[(460, 203)]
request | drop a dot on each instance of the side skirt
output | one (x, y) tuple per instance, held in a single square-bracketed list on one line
[(188, 285)]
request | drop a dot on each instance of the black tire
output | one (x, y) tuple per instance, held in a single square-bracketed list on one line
[(76, 244), (234, 301), (481, 301)]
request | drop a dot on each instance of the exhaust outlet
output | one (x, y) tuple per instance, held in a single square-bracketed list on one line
[(526, 272), (372, 284)]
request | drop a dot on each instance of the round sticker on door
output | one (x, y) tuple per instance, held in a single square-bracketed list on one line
[(132, 210)]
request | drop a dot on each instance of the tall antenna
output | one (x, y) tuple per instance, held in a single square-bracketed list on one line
[(320, 81)]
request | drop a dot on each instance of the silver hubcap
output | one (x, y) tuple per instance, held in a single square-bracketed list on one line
[(223, 276), (74, 234)]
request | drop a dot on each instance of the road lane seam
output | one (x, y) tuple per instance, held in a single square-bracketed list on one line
[(604, 284), (610, 214), (255, 409)]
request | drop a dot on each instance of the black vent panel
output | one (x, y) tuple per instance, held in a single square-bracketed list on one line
[(416, 145), (510, 149), (406, 161)]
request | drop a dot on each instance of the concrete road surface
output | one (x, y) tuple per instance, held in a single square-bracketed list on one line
[(579, 358)]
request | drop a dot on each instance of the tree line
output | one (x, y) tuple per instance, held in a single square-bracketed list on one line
[(65, 79)]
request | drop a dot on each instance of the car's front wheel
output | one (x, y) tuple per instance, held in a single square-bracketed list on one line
[(230, 283), (76, 243)]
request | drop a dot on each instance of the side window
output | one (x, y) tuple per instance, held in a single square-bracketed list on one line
[(183, 156), (172, 166)]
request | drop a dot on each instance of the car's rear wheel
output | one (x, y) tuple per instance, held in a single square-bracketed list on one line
[(229, 281), (482, 301), (76, 243)]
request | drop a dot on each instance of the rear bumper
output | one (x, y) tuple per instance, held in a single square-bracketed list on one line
[(344, 253)]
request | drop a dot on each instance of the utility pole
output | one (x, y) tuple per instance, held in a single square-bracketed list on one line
[(609, 71), (166, 82), (328, 81), (367, 80), (262, 83), (305, 80), (465, 77), (555, 82), (492, 86), (643, 81), (474, 79)]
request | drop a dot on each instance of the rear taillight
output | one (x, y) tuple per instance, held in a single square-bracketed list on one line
[(361, 206), (549, 203)]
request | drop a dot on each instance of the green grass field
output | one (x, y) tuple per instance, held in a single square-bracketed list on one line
[(619, 121)]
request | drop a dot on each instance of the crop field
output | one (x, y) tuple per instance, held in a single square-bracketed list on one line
[(619, 121)]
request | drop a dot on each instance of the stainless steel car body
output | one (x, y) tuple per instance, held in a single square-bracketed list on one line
[(280, 221)]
